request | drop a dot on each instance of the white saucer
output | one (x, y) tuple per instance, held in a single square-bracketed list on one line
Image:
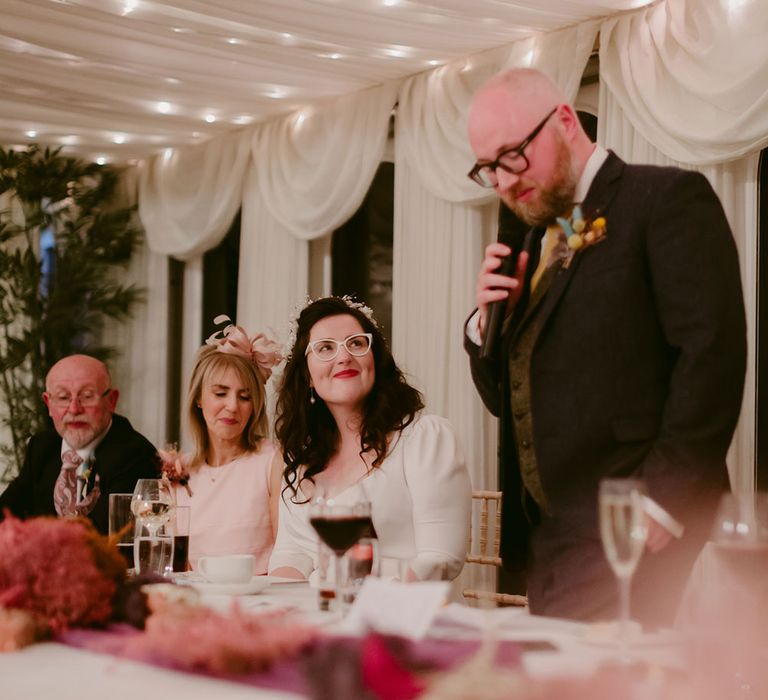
[(256, 584)]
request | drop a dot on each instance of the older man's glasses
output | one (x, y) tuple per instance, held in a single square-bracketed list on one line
[(326, 349), (513, 160), (87, 398)]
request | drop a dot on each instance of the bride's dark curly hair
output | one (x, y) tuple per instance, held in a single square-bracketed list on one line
[(307, 432)]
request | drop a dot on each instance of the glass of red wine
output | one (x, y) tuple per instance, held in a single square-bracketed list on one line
[(340, 521)]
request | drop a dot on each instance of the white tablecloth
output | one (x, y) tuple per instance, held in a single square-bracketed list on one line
[(54, 671)]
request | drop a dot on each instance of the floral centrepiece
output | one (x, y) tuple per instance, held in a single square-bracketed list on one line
[(581, 233), (197, 638), (174, 467), (61, 572)]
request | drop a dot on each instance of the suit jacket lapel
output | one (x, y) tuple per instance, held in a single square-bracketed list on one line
[(600, 194)]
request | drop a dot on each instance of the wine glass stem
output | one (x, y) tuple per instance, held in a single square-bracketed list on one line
[(624, 585), (338, 583)]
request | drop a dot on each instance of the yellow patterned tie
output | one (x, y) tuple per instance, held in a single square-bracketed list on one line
[(553, 236)]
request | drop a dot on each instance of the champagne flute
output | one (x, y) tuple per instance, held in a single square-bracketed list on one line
[(340, 521), (623, 532), (152, 504)]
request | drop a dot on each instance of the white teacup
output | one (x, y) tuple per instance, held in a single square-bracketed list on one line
[(227, 568)]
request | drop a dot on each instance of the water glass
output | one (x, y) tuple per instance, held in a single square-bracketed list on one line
[(362, 560), (152, 552), (122, 523)]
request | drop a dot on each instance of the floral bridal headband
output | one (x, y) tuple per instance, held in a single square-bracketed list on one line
[(262, 351)]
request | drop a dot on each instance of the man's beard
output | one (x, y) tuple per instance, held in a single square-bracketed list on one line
[(556, 199)]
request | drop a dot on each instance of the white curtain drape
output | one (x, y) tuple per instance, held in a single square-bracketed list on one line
[(140, 369), (189, 196), (691, 76), (443, 221), (310, 173), (674, 91)]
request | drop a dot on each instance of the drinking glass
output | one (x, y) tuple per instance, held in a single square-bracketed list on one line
[(152, 553), (122, 523), (340, 522), (178, 528), (362, 561), (152, 504), (623, 532)]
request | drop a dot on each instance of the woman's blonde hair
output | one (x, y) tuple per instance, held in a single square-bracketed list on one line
[(210, 362)]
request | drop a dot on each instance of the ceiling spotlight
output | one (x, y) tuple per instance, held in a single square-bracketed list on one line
[(31, 133), (434, 62), (163, 107), (390, 3), (233, 40), (128, 7), (397, 51), (118, 138), (210, 118), (287, 35), (101, 160)]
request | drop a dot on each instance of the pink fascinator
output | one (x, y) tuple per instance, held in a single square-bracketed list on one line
[(262, 351)]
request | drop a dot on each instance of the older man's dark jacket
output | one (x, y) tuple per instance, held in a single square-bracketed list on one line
[(120, 459), (638, 370)]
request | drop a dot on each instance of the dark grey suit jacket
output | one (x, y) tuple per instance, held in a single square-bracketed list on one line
[(638, 371), (120, 459)]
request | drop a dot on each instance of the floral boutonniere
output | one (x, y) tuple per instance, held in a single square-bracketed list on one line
[(581, 233), (174, 467), (86, 475)]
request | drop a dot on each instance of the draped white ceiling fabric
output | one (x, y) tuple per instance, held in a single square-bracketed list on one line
[(314, 168), (677, 89), (188, 197), (309, 174), (123, 79), (691, 76)]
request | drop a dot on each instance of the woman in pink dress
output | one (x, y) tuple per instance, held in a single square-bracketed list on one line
[(234, 474)]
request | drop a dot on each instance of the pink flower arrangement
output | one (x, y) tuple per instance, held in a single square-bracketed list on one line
[(60, 571), (174, 467), (197, 638)]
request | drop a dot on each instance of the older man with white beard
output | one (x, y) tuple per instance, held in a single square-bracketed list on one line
[(90, 452)]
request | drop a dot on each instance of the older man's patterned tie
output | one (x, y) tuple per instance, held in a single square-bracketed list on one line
[(65, 490)]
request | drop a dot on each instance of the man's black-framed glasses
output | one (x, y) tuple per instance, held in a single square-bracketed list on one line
[(513, 160), (326, 349)]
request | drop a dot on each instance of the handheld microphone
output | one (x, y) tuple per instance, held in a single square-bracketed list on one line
[(512, 233)]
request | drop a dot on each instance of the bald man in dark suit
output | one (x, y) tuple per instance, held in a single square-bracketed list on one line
[(622, 355)]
